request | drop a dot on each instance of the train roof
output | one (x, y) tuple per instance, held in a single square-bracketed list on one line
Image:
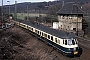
[(57, 33)]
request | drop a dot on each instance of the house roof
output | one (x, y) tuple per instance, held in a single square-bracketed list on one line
[(70, 8)]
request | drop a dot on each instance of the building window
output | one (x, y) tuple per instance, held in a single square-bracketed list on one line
[(68, 27), (74, 29), (61, 26)]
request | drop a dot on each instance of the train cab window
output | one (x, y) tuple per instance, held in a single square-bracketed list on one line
[(48, 36), (52, 38), (56, 40), (71, 42), (75, 41)]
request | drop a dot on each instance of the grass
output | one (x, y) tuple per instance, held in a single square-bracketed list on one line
[(23, 15)]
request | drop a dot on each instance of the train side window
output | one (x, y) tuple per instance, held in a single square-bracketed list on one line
[(23, 25), (65, 42), (27, 26), (38, 32), (32, 29), (45, 35), (42, 33), (52, 38), (48, 36), (76, 41), (35, 31), (56, 40)]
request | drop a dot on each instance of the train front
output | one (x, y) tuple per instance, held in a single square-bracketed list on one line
[(72, 48)]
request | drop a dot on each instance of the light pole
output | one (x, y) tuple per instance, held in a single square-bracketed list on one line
[(9, 6)]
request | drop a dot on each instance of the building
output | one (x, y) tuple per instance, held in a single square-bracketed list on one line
[(70, 17)]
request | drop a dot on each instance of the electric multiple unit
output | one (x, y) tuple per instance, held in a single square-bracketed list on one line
[(63, 41)]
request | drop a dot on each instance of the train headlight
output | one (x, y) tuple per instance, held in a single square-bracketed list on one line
[(75, 53)]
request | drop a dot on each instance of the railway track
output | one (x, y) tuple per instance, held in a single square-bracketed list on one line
[(84, 40), (85, 44), (85, 54), (45, 52)]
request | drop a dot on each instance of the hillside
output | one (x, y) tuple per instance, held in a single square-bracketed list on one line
[(40, 7), (33, 7), (79, 1)]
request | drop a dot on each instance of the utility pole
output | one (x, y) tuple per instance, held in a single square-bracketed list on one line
[(77, 22), (9, 7), (2, 14), (27, 13), (15, 14), (2, 11)]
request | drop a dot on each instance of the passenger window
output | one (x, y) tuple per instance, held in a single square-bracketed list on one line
[(42, 33), (38, 32), (76, 41), (45, 35), (56, 40), (73, 42), (32, 29), (48, 36), (65, 42), (52, 38)]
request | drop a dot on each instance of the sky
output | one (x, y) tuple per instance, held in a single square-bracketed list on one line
[(20, 1)]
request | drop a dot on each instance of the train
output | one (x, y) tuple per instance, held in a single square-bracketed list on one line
[(65, 42)]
